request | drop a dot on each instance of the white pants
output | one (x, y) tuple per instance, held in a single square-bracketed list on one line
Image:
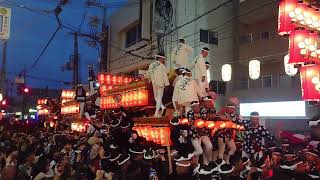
[(202, 86), (222, 146), (158, 94), (207, 151)]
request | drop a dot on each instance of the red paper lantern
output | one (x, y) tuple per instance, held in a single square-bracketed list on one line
[(310, 82), (286, 13), (299, 47), (101, 79)]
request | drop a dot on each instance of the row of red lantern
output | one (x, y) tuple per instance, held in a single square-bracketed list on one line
[(159, 135), (104, 89), (310, 82), (293, 14), (42, 101), (125, 99), (43, 112), (303, 47), (199, 123), (109, 79), (67, 94), (70, 109), (79, 127)]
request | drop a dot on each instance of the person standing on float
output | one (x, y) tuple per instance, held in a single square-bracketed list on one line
[(180, 54), (200, 70), (157, 73)]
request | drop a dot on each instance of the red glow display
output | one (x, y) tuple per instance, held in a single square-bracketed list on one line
[(286, 7), (42, 101), (310, 82), (126, 99), (302, 45), (108, 79), (70, 109), (79, 127), (159, 135), (293, 14)]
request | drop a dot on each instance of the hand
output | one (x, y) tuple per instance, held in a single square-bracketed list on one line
[(100, 174), (203, 79), (9, 159)]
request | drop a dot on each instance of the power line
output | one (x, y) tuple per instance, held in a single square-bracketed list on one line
[(44, 49)]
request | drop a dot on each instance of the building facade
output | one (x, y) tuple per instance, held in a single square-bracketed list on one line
[(135, 29), (256, 29)]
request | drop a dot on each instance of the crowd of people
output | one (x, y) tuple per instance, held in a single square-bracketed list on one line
[(112, 150)]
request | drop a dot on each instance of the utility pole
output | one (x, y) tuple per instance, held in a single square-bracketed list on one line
[(75, 61), (3, 68), (104, 42)]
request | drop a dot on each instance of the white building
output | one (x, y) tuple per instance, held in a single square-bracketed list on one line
[(209, 30)]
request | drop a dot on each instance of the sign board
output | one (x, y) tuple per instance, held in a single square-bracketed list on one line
[(292, 109), (5, 17), (19, 80)]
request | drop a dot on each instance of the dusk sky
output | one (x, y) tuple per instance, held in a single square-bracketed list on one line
[(30, 32)]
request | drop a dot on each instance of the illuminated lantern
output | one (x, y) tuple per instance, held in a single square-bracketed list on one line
[(200, 123), (101, 79), (310, 83), (226, 72), (184, 121), (299, 47), (254, 69), (114, 80), (289, 68), (286, 14), (209, 124), (119, 80)]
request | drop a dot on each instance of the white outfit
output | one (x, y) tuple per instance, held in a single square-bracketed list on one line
[(187, 91), (180, 55), (200, 70), (206, 151), (175, 94), (157, 72)]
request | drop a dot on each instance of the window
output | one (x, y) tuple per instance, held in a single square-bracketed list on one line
[(208, 75), (244, 84), (245, 39), (267, 81), (133, 35), (208, 37), (265, 35), (285, 81)]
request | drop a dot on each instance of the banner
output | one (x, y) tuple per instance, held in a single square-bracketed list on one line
[(5, 17)]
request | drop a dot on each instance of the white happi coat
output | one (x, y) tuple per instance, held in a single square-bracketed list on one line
[(157, 73), (199, 67), (181, 54), (187, 90), (175, 94)]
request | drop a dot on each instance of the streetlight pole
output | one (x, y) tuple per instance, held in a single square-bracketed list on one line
[(104, 42), (3, 68)]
